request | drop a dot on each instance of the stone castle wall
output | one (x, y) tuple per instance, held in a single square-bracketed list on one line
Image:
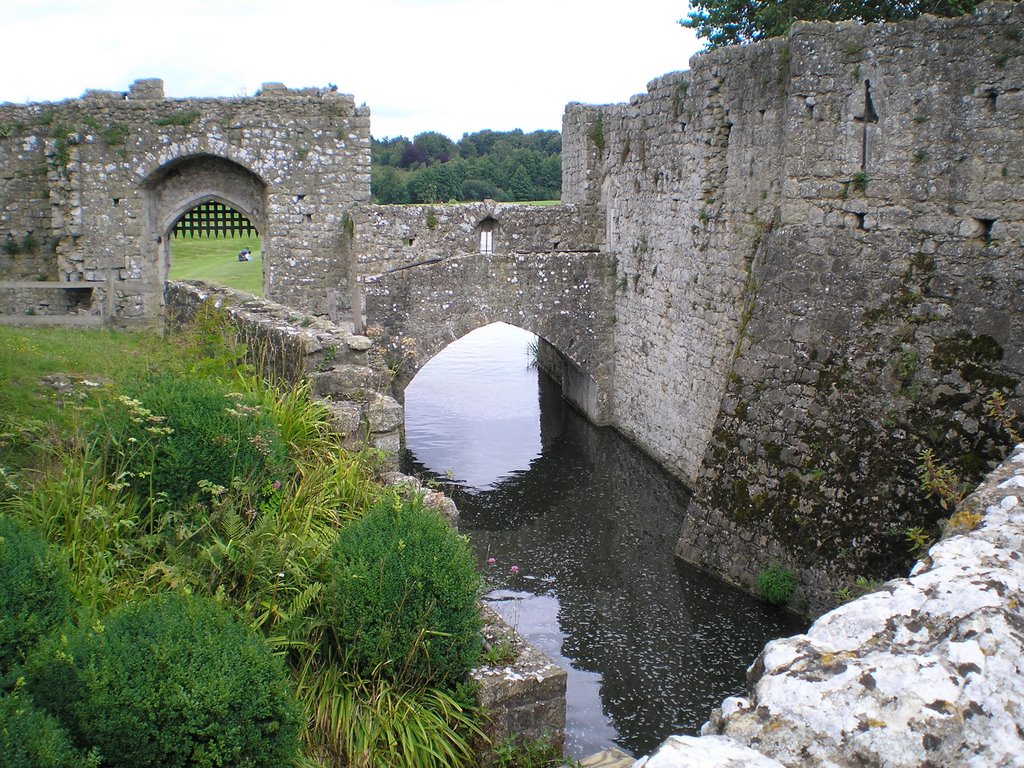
[(818, 244), (92, 187)]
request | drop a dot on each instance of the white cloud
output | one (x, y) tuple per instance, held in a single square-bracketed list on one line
[(446, 65)]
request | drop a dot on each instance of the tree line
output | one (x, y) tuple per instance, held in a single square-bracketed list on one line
[(506, 166)]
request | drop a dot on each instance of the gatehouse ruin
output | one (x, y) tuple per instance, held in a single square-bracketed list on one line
[(782, 273)]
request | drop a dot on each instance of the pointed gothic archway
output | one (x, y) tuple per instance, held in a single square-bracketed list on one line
[(185, 183)]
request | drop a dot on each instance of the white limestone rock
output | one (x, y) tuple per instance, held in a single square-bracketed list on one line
[(924, 672), (705, 752)]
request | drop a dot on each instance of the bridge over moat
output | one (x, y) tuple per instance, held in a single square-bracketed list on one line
[(431, 274)]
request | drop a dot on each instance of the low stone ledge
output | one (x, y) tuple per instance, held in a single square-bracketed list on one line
[(525, 697)]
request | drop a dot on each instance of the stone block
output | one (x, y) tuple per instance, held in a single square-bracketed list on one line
[(525, 697), (383, 413), (342, 381), (345, 416), (390, 443), (705, 752)]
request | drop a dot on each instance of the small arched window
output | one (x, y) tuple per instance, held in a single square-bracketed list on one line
[(487, 236)]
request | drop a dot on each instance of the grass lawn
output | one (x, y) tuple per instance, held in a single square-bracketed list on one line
[(215, 260), (28, 356)]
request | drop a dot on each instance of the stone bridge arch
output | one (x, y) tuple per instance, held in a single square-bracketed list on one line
[(179, 185), (540, 271)]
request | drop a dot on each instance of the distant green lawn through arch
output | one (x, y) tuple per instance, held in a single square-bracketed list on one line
[(215, 260)]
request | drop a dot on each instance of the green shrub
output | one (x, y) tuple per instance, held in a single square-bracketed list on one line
[(35, 593), (776, 585), (30, 738), (173, 681), (179, 431), (402, 594)]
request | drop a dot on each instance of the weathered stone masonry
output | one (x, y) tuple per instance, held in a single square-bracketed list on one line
[(92, 187), (431, 274), (923, 672), (819, 251)]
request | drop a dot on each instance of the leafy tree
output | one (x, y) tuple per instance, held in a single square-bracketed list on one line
[(388, 186), (729, 22), (520, 186), (437, 147), (478, 189)]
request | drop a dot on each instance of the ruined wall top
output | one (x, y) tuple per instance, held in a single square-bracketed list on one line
[(90, 188)]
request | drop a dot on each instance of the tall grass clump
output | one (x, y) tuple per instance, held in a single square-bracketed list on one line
[(373, 723), (173, 681)]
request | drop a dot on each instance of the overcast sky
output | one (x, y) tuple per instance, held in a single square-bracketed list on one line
[(452, 66)]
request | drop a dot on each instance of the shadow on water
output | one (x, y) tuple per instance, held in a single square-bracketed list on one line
[(650, 645)]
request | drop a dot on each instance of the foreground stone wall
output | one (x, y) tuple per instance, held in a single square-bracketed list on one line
[(427, 283), (290, 345), (924, 672), (819, 243), (91, 188)]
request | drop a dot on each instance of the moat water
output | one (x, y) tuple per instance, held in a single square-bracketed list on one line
[(574, 529)]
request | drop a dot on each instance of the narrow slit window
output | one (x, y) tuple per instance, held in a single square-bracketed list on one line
[(486, 241)]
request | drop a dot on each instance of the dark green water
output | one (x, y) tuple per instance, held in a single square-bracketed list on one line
[(589, 524)]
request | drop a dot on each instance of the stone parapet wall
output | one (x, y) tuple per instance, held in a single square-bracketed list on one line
[(391, 237), (290, 345), (924, 671), (427, 283)]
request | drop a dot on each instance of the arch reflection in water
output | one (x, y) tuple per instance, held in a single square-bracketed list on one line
[(473, 416), (590, 524)]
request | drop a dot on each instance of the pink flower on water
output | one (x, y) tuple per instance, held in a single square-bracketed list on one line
[(491, 561), (514, 570)]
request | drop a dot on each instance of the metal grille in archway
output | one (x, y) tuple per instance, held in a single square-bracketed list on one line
[(213, 219)]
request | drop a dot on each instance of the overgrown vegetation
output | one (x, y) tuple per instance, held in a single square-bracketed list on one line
[(776, 584), (224, 561), (170, 681), (500, 165), (731, 22)]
